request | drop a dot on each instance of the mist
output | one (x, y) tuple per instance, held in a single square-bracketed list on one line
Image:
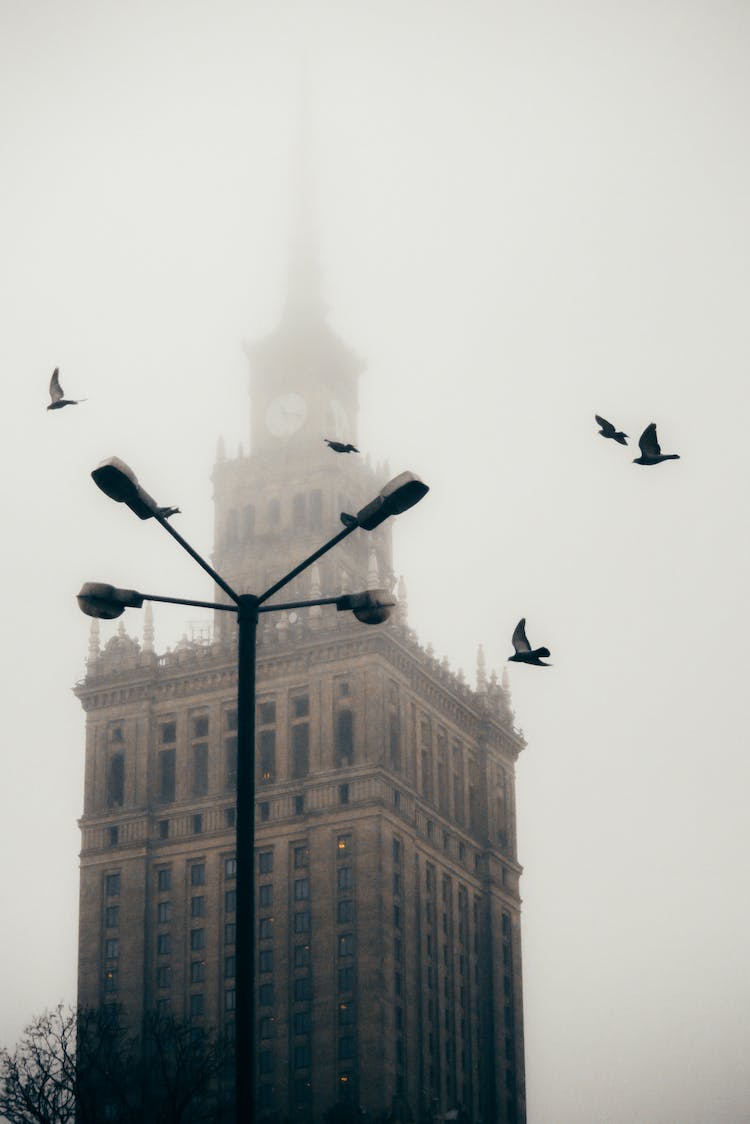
[(526, 214)]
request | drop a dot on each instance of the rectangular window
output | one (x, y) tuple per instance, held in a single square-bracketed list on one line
[(346, 944), (397, 949), (343, 843), (343, 794), (164, 829), (199, 779), (302, 921), (265, 894), (163, 944), (301, 706), (346, 1046), (200, 726), (230, 719), (265, 811), (198, 906), (197, 971), (230, 816), (345, 910), (265, 995), (112, 948), (344, 738), (301, 1021), (267, 755), (265, 862), (266, 1061), (166, 775), (230, 967), (198, 823), (196, 1005), (301, 889), (230, 933), (116, 781), (197, 939), (301, 857), (397, 916), (301, 955), (112, 916), (230, 868), (396, 852), (301, 989), (266, 1027), (230, 901), (347, 1013), (162, 976), (299, 805), (346, 979), (198, 874), (301, 1055), (110, 979), (164, 912), (168, 732), (265, 960), (265, 928), (112, 885), (300, 750), (230, 999), (344, 879), (266, 713)]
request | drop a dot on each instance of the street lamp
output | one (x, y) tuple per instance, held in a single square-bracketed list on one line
[(374, 606)]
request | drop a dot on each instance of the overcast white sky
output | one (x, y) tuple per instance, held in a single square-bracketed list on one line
[(529, 212)]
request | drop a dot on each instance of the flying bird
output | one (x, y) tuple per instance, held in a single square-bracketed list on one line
[(523, 650), (340, 447), (608, 430), (56, 393), (650, 448)]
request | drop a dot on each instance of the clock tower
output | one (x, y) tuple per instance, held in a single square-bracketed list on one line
[(278, 504)]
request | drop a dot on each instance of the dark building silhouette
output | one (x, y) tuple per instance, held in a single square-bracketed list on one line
[(389, 957)]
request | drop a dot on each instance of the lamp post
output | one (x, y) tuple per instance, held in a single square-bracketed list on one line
[(97, 599)]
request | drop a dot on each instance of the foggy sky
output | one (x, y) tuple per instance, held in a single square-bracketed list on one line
[(527, 213)]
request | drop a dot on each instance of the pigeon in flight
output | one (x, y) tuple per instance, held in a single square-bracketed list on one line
[(650, 449), (56, 393), (523, 650), (340, 447), (608, 430)]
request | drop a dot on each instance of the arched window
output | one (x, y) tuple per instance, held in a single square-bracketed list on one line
[(116, 781)]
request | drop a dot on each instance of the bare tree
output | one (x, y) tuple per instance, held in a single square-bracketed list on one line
[(83, 1066)]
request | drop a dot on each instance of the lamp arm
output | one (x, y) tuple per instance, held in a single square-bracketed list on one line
[(303, 565), (201, 561)]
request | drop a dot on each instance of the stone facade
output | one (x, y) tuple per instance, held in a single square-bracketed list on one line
[(389, 959)]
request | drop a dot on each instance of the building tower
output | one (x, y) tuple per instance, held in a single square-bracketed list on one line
[(389, 961)]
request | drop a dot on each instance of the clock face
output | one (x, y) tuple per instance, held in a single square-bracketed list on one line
[(285, 414), (340, 420)]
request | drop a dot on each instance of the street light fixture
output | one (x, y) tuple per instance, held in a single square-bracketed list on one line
[(118, 481)]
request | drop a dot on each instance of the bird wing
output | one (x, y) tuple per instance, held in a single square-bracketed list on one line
[(607, 427), (648, 443), (55, 390), (519, 641)]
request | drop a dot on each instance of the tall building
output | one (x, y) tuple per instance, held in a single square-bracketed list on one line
[(388, 965)]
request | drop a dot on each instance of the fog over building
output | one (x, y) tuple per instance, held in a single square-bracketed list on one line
[(388, 945)]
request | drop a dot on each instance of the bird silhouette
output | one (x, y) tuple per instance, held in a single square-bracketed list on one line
[(340, 447), (650, 448), (608, 430), (524, 653), (56, 393)]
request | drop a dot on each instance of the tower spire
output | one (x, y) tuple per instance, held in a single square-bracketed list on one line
[(304, 301)]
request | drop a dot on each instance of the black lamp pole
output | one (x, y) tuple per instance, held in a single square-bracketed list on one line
[(373, 607)]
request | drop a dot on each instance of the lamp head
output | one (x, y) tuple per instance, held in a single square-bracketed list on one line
[(371, 607), (398, 495), (106, 602), (118, 481)]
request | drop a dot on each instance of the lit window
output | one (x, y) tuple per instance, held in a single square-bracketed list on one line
[(347, 1013), (344, 842), (110, 979)]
